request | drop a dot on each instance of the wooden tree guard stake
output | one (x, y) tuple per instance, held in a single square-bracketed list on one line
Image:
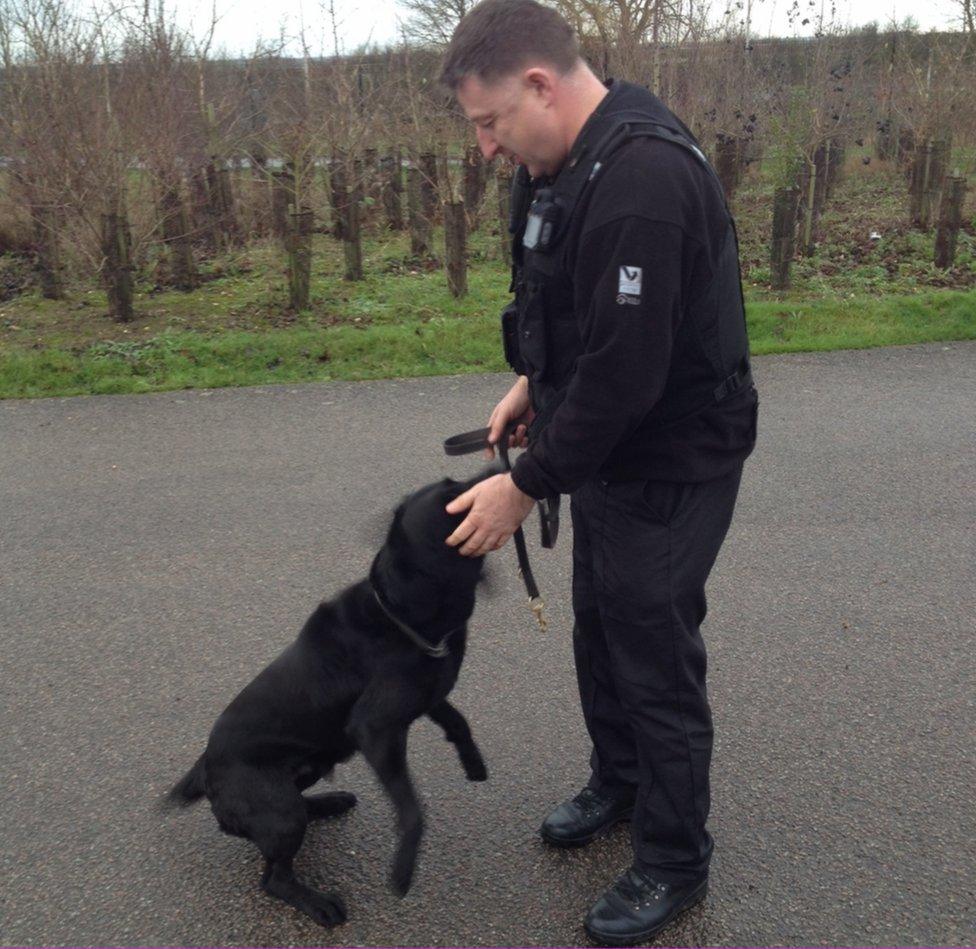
[(117, 266), (906, 149), (815, 185), (282, 203), (444, 181), (938, 167), (921, 169), (428, 187), (213, 188), (808, 206), (820, 161), (390, 172), (398, 178), (259, 162), (420, 230), (338, 193), (885, 142), (474, 180), (503, 178), (176, 234), (783, 244), (202, 208), (221, 200), (299, 247), (836, 153), (48, 251), (352, 236), (455, 247), (360, 192), (228, 216), (950, 220), (258, 192), (371, 180), (728, 163), (258, 159)]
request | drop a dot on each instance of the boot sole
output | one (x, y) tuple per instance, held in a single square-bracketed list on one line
[(570, 842), (635, 939)]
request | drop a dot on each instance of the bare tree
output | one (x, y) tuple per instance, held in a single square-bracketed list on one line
[(65, 144), (431, 22), (967, 10), (626, 38)]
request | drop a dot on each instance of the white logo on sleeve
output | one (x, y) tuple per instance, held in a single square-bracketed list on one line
[(629, 287)]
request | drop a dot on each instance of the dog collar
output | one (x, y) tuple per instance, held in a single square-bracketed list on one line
[(438, 651)]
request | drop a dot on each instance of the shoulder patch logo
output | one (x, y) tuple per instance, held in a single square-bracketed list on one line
[(629, 286)]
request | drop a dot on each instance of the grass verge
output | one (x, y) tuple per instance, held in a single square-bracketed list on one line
[(434, 346)]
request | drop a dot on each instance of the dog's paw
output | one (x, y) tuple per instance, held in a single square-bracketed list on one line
[(327, 909), (401, 876), (474, 768)]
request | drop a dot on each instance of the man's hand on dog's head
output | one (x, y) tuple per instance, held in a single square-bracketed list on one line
[(495, 509)]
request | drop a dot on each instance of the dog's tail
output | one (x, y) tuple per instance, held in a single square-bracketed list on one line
[(190, 787)]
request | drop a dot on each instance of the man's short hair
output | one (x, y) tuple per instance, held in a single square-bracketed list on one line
[(498, 37)]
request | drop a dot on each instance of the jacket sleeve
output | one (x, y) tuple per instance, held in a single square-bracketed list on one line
[(628, 279)]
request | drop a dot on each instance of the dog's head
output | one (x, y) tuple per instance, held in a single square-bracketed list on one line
[(415, 571)]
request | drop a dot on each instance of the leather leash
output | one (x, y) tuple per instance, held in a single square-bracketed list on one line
[(469, 442)]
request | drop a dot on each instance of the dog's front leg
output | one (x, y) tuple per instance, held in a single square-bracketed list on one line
[(458, 732), (384, 745)]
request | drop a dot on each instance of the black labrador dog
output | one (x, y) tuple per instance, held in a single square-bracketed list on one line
[(384, 652)]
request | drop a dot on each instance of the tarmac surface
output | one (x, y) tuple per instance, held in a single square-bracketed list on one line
[(156, 551)]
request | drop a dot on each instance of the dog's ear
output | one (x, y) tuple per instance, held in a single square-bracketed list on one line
[(451, 489), (489, 471), (376, 527)]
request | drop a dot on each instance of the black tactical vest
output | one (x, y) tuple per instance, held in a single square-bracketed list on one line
[(540, 331)]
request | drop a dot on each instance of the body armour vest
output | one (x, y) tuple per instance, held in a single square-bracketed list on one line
[(540, 330)]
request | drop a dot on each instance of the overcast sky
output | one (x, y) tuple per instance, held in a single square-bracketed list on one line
[(244, 22)]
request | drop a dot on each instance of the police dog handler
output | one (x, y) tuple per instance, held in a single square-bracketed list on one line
[(634, 397)]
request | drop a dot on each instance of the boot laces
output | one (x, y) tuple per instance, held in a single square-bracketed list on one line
[(588, 800), (640, 890)]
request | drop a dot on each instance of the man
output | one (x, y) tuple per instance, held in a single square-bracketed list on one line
[(635, 398)]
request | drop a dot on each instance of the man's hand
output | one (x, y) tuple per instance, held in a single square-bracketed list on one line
[(514, 407), (495, 509)]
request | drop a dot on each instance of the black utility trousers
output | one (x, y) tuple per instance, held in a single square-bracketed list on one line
[(642, 551)]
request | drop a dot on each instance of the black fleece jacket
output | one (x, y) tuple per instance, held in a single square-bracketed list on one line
[(654, 207)]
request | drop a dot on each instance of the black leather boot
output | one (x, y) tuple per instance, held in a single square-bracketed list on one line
[(636, 908), (585, 817)]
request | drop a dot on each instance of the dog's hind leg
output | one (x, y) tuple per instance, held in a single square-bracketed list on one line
[(330, 804), (267, 809), (458, 733)]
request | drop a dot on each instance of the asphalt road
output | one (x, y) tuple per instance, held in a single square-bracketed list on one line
[(156, 551)]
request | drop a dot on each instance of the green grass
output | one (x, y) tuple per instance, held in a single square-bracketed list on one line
[(180, 360), (435, 346), (860, 322)]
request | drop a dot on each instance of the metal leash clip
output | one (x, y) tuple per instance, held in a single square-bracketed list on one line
[(537, 604)]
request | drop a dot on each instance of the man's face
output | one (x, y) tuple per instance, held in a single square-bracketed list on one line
[(514, 117)]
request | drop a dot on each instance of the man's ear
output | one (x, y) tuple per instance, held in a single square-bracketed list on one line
[(541, 82)]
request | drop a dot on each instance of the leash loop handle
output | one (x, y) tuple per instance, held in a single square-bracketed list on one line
[(477, 440)]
